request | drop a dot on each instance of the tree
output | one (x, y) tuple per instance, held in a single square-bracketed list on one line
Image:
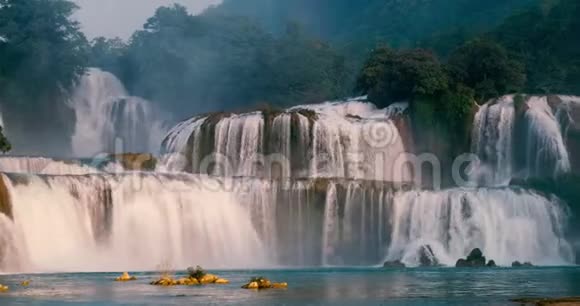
[(485, 67), (204, 63), (390, 76), (45, 49), (43, 56), (108, 54)]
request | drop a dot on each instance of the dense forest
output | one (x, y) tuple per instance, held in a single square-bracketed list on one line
[(42, 55), (202, 63), (439, 55)]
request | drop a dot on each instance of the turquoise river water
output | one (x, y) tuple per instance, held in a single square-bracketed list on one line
[(341, 286)]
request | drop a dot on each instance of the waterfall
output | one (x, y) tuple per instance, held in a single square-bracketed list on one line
[(312, 185), (43, 165), (106, 222), (547, 154), (350, 139), (506, 224), (126, 222), (525, 144), (108, 120), (493, 138)]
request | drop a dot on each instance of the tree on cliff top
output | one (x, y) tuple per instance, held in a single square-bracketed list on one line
[(390, 75), (485, 67)]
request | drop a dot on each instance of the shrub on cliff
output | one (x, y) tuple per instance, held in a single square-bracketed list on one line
[(485, 66), (390, 76)]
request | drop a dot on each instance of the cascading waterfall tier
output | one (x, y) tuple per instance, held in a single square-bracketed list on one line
[(522, 137), (507, 224), (351, 139), (104, 222), (108, 120), (124, 222), (43, 165)]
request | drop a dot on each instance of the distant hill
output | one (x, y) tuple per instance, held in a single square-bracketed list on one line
[(363, 23)]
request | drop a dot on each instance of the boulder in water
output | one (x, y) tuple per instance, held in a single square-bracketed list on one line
[(517, 264), (203, 277), (279, 285), (474, 259), (263, 283), (251, 285), (491, 264), (427, 257), (222, 281), (165, 281), (125, 278), (208, 279), (187, 281), (394, 264)]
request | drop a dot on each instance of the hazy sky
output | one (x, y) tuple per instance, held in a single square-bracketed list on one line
[(121, 18)]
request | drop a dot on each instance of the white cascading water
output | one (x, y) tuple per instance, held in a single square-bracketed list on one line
[(42, 165), (351, 223), (351, 139), (128, 222), (545, 153), (507, 225), (108, 120), (138, 222), (340, 207), (330, 238), (493, 139)]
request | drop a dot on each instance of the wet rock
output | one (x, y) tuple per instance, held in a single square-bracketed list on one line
[(427, 257), (135, 161), (165, 281), (125, 278), (491, 264), (221, 281), (251, 285), (203, 277), (475, 259), (394, 264), (263, 283), (517, 264), (207, 279)]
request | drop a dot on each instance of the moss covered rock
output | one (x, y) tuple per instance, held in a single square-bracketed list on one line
[(125, 278), (263, 283)]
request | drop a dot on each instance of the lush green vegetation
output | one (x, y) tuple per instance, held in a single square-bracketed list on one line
[(362, 24), (202, 63), (441, 94), (267, 52), (42, 53), (545, 39)]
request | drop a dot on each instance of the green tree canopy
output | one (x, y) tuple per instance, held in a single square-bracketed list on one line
[(485, 67), (41, 57), (390, 76), (205, 63)]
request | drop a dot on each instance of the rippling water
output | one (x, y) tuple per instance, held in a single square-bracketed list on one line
[(307, 287)]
